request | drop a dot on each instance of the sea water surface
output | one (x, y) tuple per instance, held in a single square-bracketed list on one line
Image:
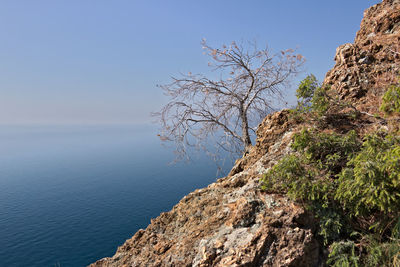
[(70, 195)]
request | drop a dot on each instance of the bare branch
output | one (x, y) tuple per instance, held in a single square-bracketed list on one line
[(227, 110)]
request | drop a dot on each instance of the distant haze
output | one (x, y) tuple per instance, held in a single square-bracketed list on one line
[(91, 62)]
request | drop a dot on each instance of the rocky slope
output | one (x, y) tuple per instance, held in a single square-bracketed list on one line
[(363, 69), (231, 222)]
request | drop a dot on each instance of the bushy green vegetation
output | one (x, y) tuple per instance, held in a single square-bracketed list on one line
[(371, 180), (310, 173), (327, 150), (377, 253), (391, 100), (312, 96), (351, 183), (343, 254), (315, 100)]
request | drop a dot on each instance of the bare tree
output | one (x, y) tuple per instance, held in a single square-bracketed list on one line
[(226, 110)]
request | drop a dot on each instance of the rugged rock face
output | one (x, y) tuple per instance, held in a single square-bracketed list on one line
[(231, 222), (364, 69)]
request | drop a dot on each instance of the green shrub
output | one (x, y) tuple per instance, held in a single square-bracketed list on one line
[(281, 176), (371, 181), (328, 151), (291, 175), (311, 96), (391, 100), (305, 92), (308, 175), (370, 252), (381, 253), (331, 222), (321, 101), (343, 254), (316, 99), (306, 88)]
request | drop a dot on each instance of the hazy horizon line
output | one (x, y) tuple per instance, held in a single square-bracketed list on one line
[(76, 123)]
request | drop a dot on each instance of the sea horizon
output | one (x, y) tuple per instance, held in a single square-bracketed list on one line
[(72, 194)]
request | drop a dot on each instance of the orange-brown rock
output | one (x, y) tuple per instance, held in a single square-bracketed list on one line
[(365, 68)]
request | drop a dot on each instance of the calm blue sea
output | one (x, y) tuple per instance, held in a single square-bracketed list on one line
[(70, 195)]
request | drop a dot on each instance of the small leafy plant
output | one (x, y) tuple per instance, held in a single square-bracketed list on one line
[(391, 100), (312, 96)]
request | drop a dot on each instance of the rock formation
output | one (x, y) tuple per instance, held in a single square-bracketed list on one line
[(363, 69), (231, 222)]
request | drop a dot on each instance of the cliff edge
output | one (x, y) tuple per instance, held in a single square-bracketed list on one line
[(232, 222)]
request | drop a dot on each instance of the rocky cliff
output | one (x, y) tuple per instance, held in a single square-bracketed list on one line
[(364, 68), (231, 222)]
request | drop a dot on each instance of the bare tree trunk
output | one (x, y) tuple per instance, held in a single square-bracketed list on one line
[(245, 129)]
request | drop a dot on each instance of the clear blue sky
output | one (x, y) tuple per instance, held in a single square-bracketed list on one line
[(87, 61)]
